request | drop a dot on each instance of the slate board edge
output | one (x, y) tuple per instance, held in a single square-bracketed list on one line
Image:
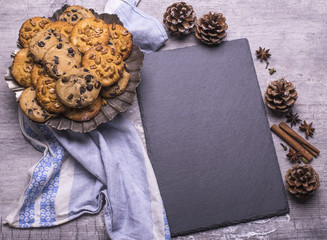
[(216, 226), (253, 218)]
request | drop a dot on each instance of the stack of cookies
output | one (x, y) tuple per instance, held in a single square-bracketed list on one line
[(70, 66)]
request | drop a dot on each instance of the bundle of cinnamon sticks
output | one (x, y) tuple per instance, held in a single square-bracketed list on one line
[(295, 141)]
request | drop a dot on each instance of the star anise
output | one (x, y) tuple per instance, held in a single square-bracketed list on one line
[(293, 118), (307, 128), (263, 54), (294, 156)]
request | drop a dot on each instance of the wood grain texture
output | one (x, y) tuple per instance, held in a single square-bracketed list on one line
[(294, 30)]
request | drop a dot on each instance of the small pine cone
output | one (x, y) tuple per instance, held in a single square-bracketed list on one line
[(302, 180), (179, 18), (280, 95), (211, 28)]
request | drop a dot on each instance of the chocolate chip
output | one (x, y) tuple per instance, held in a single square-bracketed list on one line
[(60, 39), (82, 90), (74, 10), (97, 85), (47, 37), (65, 79), (56, 60), (88, 78), (78, 102), (89, 87), (29, 111), (74, 17), (41, 44), (54, 33), (54, 70), (75, 66), (70, 97), (68, 14), (85, 70), (64, 19), (70, 50)]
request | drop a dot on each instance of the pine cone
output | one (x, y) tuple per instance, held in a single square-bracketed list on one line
[(280, 95), (211, 28), (302, 180), (179, 18)]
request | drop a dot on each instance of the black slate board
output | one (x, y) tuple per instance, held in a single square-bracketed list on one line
[(208, 137)]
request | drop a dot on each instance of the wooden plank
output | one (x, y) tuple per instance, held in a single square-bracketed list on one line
[(295, 31)]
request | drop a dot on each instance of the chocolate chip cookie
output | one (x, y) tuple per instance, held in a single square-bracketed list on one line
[(46, 94), (74, 14), (64, 28), (30, 28), (43, 41), (79, 89), (105, 62), (86, 113), (88, 33), (61, 58), (22, 67), (116, 89), (121, 38), (32, 108)]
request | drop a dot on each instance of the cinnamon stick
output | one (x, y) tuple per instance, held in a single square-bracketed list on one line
[(310, 150), (297, 137), (290, 141)]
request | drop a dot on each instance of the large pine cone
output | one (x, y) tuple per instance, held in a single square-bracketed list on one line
[(280, 95), (211, 28), (302, 180), (179, 18)]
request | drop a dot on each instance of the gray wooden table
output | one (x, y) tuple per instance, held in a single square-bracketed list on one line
[(296, 33)]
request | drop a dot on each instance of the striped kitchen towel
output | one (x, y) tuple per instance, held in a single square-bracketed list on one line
[(79, 172)]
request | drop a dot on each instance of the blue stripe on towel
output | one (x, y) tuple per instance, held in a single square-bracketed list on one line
[(39, 177), (167, 230), (39, 182), (47, 205)]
